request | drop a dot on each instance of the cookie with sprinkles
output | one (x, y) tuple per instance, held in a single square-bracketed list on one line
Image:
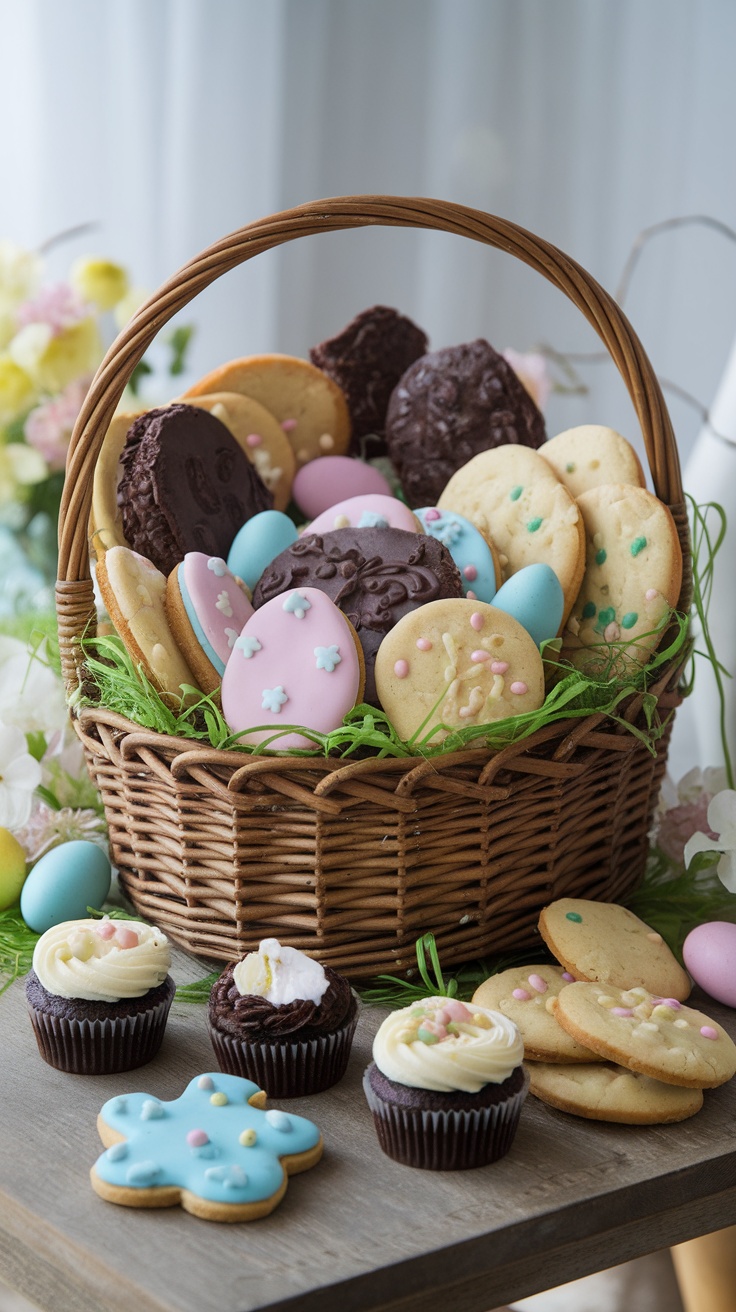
[(513, 496), (475, 555), (606, 943), (309, 405), (633, 574), (453, 663), (660, 1037), (591, 454), (207, 608), (606, 1092), (524, 994)]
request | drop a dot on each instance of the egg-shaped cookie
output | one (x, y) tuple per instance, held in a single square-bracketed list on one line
[(105, 520), (473, 553), (206, 608), (134, 593), (261, 437), (370, 510), (592, 454), (455, 663)]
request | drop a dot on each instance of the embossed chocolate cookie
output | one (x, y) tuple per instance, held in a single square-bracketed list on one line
[(375, 576), (607, 1092), (591, 454), (261, 437), (524, 994), (448, 406), (186, 485), (366, 360), (607, 943)]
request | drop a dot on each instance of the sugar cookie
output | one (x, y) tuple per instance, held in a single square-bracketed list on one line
[(591, 454), (607, 1092), (206, 608), (105, 520), (134, 592), (524, 993), (261, 437)]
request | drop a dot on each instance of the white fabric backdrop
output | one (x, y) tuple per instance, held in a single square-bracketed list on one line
[(167, 123)]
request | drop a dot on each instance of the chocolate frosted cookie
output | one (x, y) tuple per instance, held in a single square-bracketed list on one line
[(449, 406), (366, 360), (375, 576), (186, 485)]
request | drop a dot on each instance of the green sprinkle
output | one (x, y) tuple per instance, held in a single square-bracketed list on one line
[(588, 610), (638, 545), (515, 493), (425, 1036), (570, 467), (574, 915), (534, 524), (629, 619), (601, 556), (605, 617)]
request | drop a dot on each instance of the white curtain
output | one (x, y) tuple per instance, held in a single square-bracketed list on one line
[(167, 123)]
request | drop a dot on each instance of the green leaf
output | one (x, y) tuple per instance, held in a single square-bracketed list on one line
[(37, 744), (141, 371), (179, 341)]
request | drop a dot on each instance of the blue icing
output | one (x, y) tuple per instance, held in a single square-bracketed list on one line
[(466, 545), (197, 629), (156, 1151), (261, 539)]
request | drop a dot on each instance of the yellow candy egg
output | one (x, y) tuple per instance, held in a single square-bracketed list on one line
[(12, 869)]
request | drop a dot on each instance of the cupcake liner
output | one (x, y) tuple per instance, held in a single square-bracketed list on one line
[(287, 1069), (101, 1047), (449, 1140)]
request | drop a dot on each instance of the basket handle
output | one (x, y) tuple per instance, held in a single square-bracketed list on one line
[(74, 594)]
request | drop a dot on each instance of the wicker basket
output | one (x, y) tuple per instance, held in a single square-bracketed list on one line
[(352, 862)]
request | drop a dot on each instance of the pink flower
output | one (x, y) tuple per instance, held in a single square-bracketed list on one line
[(57, 305), (531, 370), (49, 427), (684, 811)]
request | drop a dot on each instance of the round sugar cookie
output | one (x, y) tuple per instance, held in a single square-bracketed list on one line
[(473, 553), (591, 454), (453, 663), (298, 661), (608, 944), (206, 609), (369, 510), (513, 496), (633, 574), (260, 435), (134, 593), (606, 1092), (658, 1036), (105, 519), (524, 994), (309, 406)]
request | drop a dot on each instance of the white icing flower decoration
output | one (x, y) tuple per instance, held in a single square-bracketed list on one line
[(223, 604), (232, 637), (296, 604), (327, 658), (248, 645), (20, 775), (218, 566), (273, 699), (722, 821)]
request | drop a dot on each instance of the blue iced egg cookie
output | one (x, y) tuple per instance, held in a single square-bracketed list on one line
[(534, 597), (261, 539), (471, 551), (64, 883)]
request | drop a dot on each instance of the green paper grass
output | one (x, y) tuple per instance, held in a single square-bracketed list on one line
[(17, 942)]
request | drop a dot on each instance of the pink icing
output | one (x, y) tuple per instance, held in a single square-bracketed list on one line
[(363, 506), (519, 688), (322, 484), (476, 621), (499, 667), (521, 995), (288, 425), (253, 439), (538, 983), (291, 675), (470, 573), (213, 591), (424, 644), (197, 1138), (708, 1032), (433, 514), (401, 669), (480, 655), (471, 596)]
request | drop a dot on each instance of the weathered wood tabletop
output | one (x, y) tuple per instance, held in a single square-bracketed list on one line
[(357, 1233)]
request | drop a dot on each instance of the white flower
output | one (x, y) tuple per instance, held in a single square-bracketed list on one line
[(31, 693), (722, 821), (20, 775)]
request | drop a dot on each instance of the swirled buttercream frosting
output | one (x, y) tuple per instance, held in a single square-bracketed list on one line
[(253, 1018), (101, 960), (280, 975), (443, 1045)]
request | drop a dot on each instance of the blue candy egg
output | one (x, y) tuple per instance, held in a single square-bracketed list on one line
[(63, 883), (534, 597), (261, 539)]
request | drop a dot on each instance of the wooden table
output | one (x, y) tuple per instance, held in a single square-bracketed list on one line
[(358, 1232)]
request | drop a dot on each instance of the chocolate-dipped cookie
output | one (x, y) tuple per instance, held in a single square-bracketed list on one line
[(366, 360), (186, 485), (375, 576), (449, 406)]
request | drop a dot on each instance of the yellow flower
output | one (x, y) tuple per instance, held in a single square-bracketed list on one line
[(20, 274), (20, 466), (99, 281), (129, 305), (17, 392), (53, 360)]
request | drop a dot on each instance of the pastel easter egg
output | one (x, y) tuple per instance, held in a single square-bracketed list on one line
[(261, 539), (63, 883), (321, 483), (371, 510), (533, 596), (470, 551), (709, 952), (12, 869)]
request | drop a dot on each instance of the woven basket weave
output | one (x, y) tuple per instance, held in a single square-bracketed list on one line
[(352, 862)]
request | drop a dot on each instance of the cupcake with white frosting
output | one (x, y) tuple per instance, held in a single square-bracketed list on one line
[(446, 1084), (281, 1019), (99, 994)]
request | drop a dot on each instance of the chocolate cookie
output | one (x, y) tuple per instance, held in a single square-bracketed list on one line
[(449, 406), (375, 576), (186, 485), (366, 360)]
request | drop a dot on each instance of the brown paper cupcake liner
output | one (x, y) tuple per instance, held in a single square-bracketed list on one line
[(287, 1070), (101, 1047)]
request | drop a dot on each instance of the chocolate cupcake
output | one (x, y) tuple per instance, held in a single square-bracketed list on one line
[(446, 1085), (282, 1020), (99, 994)]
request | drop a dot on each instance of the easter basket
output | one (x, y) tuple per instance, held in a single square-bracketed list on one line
[(353, 859)]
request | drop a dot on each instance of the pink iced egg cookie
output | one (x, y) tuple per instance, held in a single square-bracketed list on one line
[(297, 662), (709, 952), (324, 482), (371, 510), (206, 608)]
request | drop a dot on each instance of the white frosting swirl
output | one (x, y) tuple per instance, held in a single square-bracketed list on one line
[(281, 975), (482, 1049), (88, 959)]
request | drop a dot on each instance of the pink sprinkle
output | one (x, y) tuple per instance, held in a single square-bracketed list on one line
[(253, 439), (499, 667), (708, 1032), (106, 929), (480, 656), (471, 596), (621, 1011), (432, 515), (454, 1009), (567, 976), (538, 983), (476, 621), (521, 995), (651, 594), (288, 425), (470, 573), (424, 644), (126, 938), (671, 1002), (197, 1138), (401, 669), (519, 688), (612, 632)]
